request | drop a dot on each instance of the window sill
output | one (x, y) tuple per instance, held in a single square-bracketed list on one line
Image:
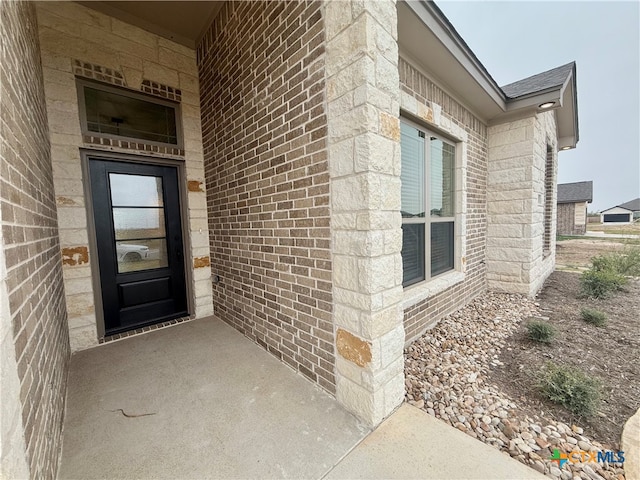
[(417, 293)]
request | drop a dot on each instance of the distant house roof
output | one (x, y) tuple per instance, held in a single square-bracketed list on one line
[(575, 192), (556, 77), (633, 205)]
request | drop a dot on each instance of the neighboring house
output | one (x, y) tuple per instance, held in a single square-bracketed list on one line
[(331, 178), (623, 213), (573, 199), (634, 206)]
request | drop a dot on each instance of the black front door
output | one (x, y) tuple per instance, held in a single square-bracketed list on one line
[(140, 249)]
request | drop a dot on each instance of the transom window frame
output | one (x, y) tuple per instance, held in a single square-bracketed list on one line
[(432, 284), (81, 83)]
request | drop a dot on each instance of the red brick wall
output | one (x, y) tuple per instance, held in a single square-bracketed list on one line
[(265, 137), (418, 317), (30, 241)]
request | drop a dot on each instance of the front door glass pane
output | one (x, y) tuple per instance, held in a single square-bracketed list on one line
[(139, 222), (137, 255), (135, 190), (130, 223)]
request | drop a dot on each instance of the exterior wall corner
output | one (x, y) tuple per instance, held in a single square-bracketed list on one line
[(522, 209), (363, 97)]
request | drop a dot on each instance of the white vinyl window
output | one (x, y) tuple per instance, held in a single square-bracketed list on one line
[(428, 210)]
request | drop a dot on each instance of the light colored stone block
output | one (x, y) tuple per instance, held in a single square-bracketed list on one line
[(133, 34), (159, 73), (360, 72), (72, 217), (80, 304), (338, 17), (81, 338)]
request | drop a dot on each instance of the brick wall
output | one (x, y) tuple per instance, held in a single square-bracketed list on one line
[(33, 264), (265, 138), (77, 41), (567, 213), (453, 116)]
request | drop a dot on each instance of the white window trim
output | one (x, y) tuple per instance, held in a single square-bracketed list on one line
[(430, 117)]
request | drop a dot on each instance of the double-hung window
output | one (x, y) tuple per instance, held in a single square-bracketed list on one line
[(428, 210)]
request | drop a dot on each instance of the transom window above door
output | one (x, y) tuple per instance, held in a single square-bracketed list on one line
[(119, 113), (428, 209)]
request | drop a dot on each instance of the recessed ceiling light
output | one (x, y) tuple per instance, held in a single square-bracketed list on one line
[(566, 148), (546, 105)]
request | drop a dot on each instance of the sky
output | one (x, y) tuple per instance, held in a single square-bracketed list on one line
[(517, 39)]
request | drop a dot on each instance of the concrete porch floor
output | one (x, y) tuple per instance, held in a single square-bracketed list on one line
[(202, 401)]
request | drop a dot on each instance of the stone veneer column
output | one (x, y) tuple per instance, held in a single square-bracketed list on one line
[(364, 157), (515, 256)]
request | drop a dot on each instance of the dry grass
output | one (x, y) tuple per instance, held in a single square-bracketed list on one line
[(631, 229)]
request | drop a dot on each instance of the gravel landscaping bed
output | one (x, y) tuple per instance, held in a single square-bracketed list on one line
[(447, 372)]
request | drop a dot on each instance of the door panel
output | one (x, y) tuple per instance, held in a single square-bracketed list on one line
[(140, 247)]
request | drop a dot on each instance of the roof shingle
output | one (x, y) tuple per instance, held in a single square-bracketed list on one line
[(540, 82), (633, 205), (575, 192)]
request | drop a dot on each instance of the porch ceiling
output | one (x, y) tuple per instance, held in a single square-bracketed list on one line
[(183, 22)]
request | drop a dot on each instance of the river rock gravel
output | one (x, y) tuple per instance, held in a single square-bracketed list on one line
[(446, 373)]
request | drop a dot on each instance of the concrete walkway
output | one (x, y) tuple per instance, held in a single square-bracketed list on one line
[(199, 400), (413, 444)]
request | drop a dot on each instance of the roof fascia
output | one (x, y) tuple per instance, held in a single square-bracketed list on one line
[(435, 20), (617, 206)]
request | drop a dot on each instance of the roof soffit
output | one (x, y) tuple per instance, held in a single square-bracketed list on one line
[(183, 22)]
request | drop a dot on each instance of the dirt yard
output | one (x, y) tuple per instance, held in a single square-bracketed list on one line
[(611, 353), (575, 254)]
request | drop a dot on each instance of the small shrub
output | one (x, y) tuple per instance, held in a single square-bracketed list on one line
[(630, 263), (540, 331), (600, 283), (594, 317), (570, 387), (625, 263)]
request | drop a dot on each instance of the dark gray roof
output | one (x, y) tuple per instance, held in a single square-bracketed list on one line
[(633, 205), (537, 83), (575, 192)]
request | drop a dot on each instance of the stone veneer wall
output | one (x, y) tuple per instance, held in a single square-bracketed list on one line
[(517, 191), (439, 111), (78, 41), (545, 187), (363, 96), (568, 214), (262, 79), (33, 325)]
